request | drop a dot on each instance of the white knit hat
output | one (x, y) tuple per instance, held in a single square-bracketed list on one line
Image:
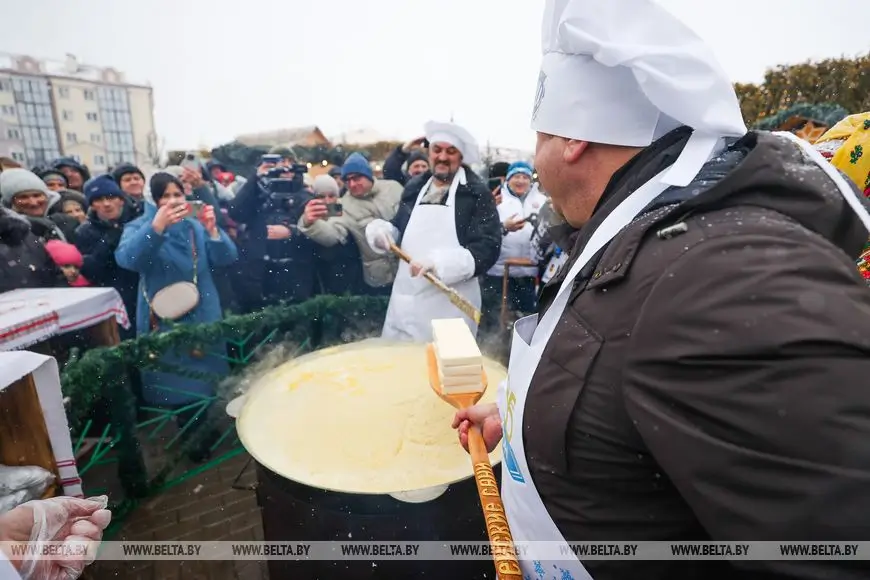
[(15, 181), (325, 185)]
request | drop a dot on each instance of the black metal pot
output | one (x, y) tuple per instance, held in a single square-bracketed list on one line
[(295, 512)]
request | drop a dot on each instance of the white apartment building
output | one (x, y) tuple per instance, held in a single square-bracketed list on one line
[(51, 109)]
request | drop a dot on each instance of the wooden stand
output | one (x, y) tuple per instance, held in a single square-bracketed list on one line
[(519, 262), (23, 434)]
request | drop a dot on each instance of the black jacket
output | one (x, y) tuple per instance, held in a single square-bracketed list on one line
[(97, 241), (24, 263), (56, 226), (478, 228), (707, 380), (255, 208)]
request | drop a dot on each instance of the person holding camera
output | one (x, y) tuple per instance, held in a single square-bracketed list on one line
[(175, 247), (339, 266), (277, 262), (332, 224), (521, 202)]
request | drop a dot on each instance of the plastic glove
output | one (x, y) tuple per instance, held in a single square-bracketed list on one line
[(380, 234), (420, 268), (75, 523)]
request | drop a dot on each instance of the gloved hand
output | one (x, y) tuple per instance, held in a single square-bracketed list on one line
[(420, 268), (380, 234), (450, 266), (75, 523)]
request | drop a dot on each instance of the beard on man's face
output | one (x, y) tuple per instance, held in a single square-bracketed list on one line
[(442, 172)]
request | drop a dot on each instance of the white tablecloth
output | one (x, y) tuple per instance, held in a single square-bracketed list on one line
[(32, 315), (15, 365)]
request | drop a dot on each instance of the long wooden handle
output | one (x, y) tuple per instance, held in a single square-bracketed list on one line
[(460, 302), (507, 567), (429, 276)]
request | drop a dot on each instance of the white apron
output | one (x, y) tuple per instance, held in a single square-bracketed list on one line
[(415, 302), (527, 516)]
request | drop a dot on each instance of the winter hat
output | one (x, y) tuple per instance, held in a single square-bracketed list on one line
[(102, 186), (334, 171), (160, 181), (519, 167), (123, 169), (64, 253), (48, 174), (174, 170), (417, 156), (325, 185), (356, 164), (212, 165), (70, 162), (284, 152), (72, 195), (18, 180)]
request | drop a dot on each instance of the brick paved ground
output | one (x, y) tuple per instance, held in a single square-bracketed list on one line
[(205, 508)]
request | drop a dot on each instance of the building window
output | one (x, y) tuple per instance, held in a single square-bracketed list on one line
[(90, 96), (72, 138), (67, 115), (99, 160), (63, 92), (16, 156), (117, 125), (96, 138), (8, 109), (5, 86), (13, 133), (91, 116)]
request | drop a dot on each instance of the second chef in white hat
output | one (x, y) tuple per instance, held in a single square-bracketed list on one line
[(448, 224)]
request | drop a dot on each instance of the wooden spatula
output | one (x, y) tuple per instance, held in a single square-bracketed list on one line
[(507, 567)]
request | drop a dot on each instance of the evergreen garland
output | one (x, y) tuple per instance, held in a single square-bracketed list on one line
[(101, 373), (827, 114)]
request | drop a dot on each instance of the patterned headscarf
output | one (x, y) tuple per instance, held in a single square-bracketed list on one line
[(847, 146)]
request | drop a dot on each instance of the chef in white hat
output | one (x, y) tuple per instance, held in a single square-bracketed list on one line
[(706, 345), (448, 224)]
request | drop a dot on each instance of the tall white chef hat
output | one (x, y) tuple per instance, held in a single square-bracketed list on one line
[(625, 72), (437, 132)]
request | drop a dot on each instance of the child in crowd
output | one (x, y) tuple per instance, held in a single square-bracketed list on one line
[(69, 260)]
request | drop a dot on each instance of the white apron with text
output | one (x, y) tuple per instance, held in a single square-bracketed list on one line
[(415, 302), (527, 516)]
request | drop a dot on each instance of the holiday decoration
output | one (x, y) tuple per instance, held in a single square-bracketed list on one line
[(101, 374), (809, 122)]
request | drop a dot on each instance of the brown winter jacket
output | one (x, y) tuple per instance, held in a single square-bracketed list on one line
[(711, 381)]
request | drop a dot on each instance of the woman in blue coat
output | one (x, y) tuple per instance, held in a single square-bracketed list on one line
[(163, 245)]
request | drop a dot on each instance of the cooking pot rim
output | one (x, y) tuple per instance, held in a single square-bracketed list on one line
[(241, 432)]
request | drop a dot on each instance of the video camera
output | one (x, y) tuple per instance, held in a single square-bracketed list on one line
[(274, 183)]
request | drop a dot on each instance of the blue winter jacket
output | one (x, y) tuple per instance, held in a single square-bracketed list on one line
[(162, 260)]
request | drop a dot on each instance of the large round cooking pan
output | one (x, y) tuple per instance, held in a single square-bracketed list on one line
[(255, 431), (297, 507)]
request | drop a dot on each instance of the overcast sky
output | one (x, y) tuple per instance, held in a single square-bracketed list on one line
[(224, 67)]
